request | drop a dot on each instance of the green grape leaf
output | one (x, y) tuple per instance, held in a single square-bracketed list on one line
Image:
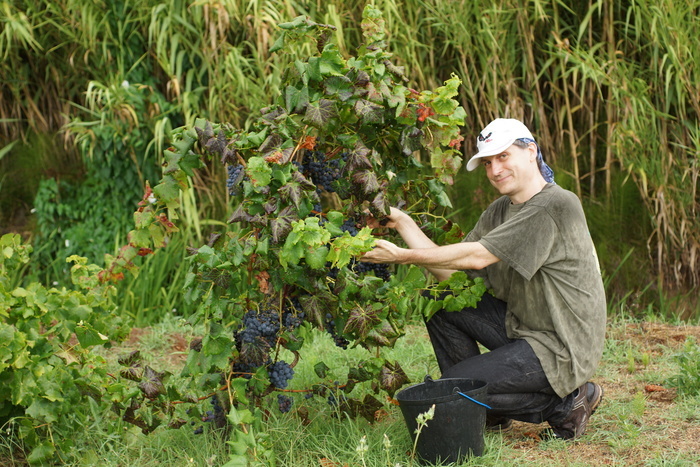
[(291, 254), (316, 256), (296, 99), (332, 62), (339, 86), (279, 43), (321, 370), (259, 171), (88, 336)]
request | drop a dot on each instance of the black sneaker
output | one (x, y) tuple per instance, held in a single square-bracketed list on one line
[(586, 401), (498, 424)]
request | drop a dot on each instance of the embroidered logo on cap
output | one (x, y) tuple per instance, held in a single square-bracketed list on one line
[(485, 138)]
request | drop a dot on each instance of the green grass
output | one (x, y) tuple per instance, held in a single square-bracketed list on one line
[(631, 427)]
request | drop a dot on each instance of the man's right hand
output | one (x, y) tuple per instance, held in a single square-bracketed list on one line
[(391, 221)]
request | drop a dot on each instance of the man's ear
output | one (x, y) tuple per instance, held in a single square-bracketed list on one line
[(532, 147)]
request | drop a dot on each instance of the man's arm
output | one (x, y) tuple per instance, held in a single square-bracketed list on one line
[(441, 261)]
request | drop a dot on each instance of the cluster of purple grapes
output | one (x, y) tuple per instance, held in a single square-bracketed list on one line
[(216, 415), (293, 315), (284, 403), (323, 172), (380, 270), (235, 176), (280, 373), (260, 324), (339, 340)]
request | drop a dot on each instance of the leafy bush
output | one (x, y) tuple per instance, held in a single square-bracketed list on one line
[(46, 368)]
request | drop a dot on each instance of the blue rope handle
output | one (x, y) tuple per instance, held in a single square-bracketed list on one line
[(473, 400)]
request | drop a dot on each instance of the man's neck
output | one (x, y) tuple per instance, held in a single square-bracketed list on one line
[(534, 188)]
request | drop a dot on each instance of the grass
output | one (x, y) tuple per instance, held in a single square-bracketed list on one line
[(635, 425)]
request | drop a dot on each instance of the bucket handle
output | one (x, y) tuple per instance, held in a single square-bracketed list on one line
[(457, 391)]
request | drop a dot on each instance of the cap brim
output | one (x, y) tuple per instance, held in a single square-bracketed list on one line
[(474, 161)]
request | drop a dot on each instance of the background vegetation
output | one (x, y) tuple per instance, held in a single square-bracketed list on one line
[(90, 91)]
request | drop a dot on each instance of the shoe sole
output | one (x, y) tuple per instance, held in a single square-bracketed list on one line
[(597, 397)]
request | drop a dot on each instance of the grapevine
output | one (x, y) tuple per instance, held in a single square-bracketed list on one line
[(345, 140)]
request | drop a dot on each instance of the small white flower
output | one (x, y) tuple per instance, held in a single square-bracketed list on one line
[(33, 210), (387, 442), (54, 283), (152, 199), (67, 243), (125, 84), (362, 448), (390, 174)]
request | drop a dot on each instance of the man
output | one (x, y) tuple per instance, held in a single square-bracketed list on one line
[(544, 325)]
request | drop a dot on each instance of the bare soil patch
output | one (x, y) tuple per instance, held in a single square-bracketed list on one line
[(636, 438)]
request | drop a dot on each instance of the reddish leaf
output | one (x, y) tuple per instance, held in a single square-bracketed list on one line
[(309, 142), (424, 112)]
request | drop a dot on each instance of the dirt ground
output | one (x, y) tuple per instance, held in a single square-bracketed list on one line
[(658, 438)]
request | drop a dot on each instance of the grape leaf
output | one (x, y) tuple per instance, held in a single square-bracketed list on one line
[(380, 204), (321, 369), (392, 377), (367, 180), (218, 144), (361, 320), (316, 256), (357, 159), (369, 112), (282, 224), (303, 182), (259, 171), (332, 62), (152, 383), (271, 143), (340, 86), (319, 114), (239, 215), (317, 305), (410, 140), (204, 134)]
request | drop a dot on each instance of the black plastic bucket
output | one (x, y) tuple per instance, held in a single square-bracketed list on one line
[(457, 428)]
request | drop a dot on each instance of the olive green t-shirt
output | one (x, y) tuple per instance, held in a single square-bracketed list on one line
[(549, 276)]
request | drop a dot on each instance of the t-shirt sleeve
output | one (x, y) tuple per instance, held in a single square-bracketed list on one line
[(524, 241)]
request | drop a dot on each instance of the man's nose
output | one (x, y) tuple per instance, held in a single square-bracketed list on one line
[(496, 166)]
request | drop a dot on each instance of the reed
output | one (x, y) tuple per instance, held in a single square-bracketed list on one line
[(610, 88)]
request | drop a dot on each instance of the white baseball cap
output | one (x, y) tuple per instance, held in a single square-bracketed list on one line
[(498, 136)]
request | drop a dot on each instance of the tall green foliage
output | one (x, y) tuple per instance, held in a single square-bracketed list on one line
[(608, 87)]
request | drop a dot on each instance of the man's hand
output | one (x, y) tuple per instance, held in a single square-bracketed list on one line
[(391, 221), (383, 252)]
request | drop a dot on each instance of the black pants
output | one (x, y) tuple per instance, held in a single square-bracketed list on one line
[(517, 385)]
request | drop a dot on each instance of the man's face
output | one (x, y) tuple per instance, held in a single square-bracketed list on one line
[(511, 172)]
